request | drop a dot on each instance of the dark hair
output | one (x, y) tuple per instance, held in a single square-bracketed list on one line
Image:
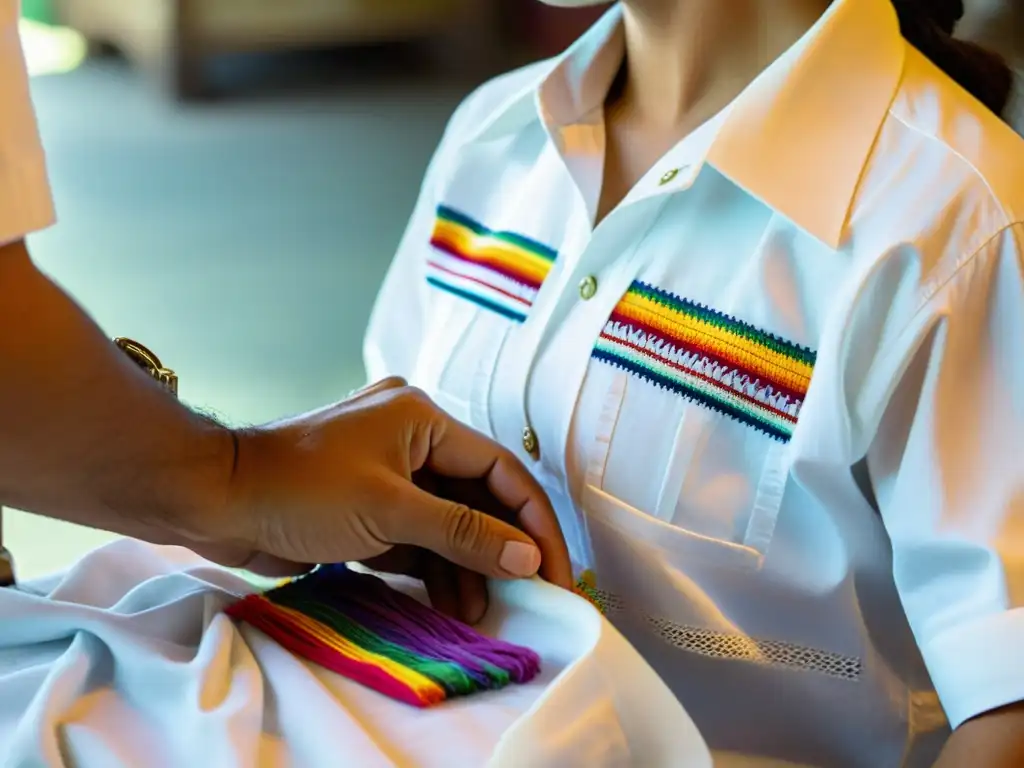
[(928, 26)]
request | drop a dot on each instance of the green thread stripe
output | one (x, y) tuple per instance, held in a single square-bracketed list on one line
[(521, 241), (724, 322)]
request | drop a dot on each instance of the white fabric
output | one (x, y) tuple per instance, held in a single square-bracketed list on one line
[(126, 660), (853, 201), (25, 202)]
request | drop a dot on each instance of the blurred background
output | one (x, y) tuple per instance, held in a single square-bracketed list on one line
[(232, 178)]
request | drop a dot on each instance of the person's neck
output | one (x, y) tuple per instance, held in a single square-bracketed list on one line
[(687, 57)]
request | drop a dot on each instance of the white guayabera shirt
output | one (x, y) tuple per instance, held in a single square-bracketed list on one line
[(777, 395), (126, 659)]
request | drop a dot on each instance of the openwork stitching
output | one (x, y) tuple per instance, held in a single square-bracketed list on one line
[(730, 647)]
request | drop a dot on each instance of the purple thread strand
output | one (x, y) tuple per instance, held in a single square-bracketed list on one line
[(519, 662), (405, 621), (411, 624)]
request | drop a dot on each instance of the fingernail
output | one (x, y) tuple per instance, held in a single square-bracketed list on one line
[(519, 559)]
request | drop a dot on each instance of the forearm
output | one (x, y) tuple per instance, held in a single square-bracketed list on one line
[(993, 740), (85, 435)]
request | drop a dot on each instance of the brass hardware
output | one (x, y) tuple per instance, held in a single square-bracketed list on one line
[(588, 287), (149, 362), (530, 442)]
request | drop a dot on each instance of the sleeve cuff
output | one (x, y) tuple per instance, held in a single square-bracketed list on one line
[(977, 668)]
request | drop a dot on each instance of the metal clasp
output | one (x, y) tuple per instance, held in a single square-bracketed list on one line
[(149, 362)]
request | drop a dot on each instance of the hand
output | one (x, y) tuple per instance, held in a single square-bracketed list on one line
[(338, 485)]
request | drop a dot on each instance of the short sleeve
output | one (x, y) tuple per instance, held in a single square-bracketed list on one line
[(947, 465), (25, 201)]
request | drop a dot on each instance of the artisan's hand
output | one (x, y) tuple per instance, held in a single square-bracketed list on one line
[(338, 485)]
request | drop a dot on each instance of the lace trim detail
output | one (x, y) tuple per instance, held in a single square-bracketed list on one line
[(730, 647)]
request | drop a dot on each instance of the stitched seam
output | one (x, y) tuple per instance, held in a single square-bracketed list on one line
[(732, 646), (929, 296), (935, 139)]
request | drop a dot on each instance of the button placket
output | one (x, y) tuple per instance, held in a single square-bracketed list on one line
[(509, 413), (510, 392), (588, 325)]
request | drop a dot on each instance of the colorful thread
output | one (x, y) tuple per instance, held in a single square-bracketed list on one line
[(586, 587), (500, 271), (710, 358), (356, 625)]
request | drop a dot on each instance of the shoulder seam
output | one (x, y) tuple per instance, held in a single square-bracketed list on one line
[(973, 256), (895, 344), (1009, 222)]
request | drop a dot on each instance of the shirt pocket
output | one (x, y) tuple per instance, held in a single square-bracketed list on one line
[(481, 284), (697, 412)]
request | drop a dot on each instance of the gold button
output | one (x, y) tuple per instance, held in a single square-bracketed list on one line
[(668, 176), (588, 287), (529, 441)]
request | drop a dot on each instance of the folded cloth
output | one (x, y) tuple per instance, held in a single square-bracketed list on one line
[(127, 659)]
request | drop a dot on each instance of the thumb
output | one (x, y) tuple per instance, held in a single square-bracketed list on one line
[(464, 536)]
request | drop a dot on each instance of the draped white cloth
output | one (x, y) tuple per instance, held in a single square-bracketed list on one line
[(126, 659)]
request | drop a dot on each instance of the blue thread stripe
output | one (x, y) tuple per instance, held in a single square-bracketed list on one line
[(478, 300), (690, 393)]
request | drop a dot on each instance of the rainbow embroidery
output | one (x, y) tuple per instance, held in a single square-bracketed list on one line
[(586, 587), (710, 358), (356, 625), (500, 271)]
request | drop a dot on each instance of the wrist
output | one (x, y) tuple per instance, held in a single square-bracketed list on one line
[(206, 514)]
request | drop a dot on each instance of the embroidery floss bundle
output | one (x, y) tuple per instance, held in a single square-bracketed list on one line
[(356, 625)]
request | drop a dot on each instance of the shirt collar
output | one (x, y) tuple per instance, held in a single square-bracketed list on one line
[(797, 138)]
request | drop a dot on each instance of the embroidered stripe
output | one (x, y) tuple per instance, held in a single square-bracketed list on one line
[(501, 271), (478, 300), (708, 357)]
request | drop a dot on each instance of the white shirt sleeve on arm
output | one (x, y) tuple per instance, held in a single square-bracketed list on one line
[(25, 201), (948, 468)]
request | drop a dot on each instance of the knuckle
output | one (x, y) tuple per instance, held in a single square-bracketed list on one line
[(415, 394), (416, 398), (464, 528)]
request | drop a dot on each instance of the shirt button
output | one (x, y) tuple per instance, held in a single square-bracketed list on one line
[(588, 287), (668, 176), (530, 441)]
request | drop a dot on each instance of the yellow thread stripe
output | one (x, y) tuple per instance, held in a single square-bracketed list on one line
[(420, 683)]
